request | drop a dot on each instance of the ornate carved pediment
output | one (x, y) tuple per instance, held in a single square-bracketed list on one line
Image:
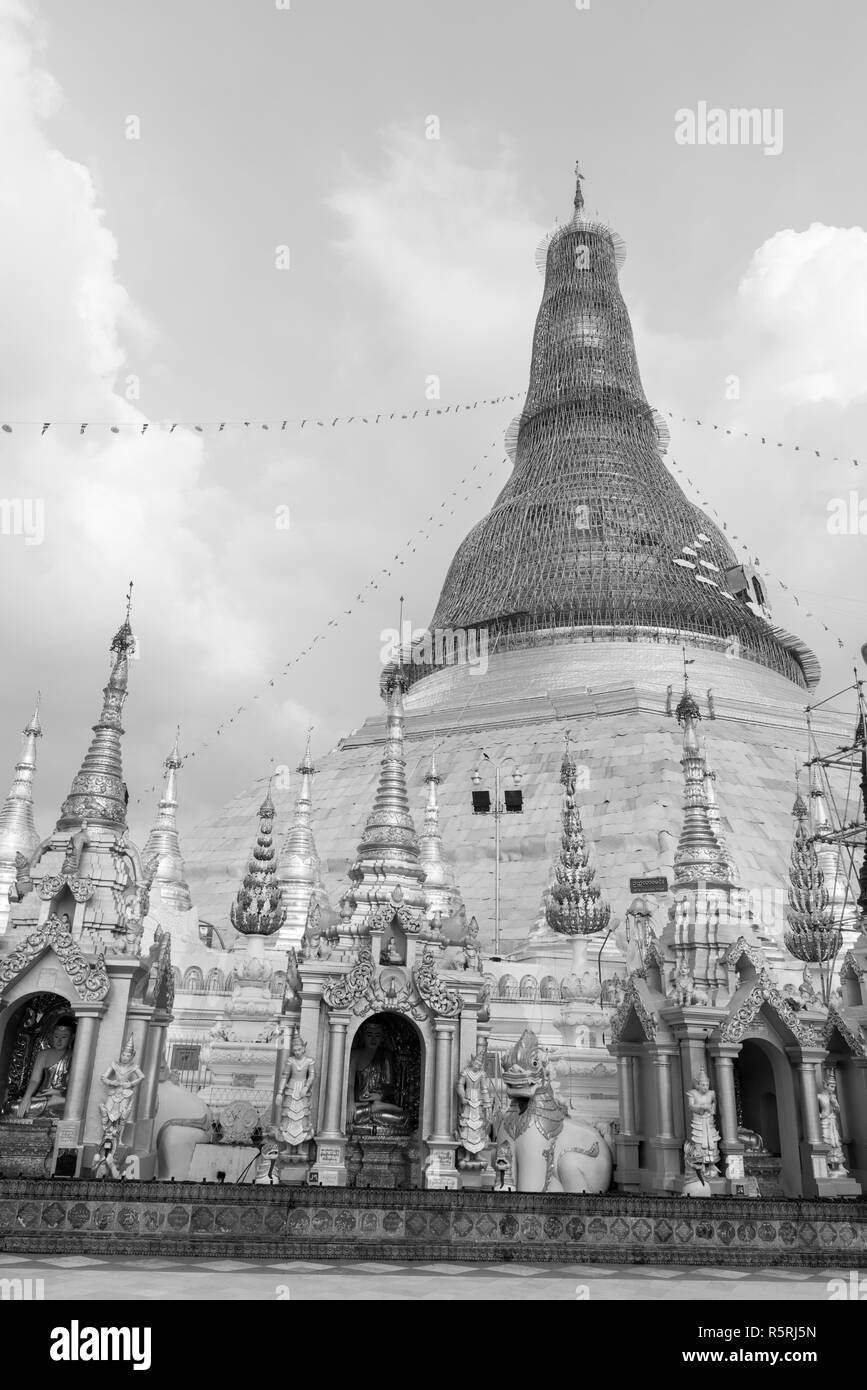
[(632, 1003), (766, 992), (343, 992), (393, 992), (436, 994), (52, 884), (385, 916), (740, 948), (89, 978), (851, 968), (837, 1023)]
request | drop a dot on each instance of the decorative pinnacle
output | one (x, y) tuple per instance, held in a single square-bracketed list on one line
[(258, 908), (161, 855), (574, 907), (17, 830), (98, 790), (812, 934)]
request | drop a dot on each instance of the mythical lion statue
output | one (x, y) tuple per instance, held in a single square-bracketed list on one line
[(550, 1150)]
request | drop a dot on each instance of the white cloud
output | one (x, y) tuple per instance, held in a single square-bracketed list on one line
[(804, 298), (451, 247)]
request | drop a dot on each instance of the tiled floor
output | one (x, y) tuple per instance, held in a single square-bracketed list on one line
[(83, 1277)]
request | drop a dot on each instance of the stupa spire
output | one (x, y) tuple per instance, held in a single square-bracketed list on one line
[(18, 834), (161, 856), (439, 884), (388, 855), (98, 791), (713, 815), (300, 873), (591, 533), (575, 906), (258, 908), (699, 855)]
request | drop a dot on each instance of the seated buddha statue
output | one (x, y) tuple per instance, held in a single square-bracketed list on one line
[(46, 1090), (376, 1110)]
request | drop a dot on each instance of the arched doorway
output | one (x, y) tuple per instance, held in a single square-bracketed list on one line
[(384, 1103), (28, 1030), (768, 1118)]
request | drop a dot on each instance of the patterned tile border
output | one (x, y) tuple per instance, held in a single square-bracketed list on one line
[(267, 1223)]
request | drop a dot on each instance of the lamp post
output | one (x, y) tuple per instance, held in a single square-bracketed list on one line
[(514, 803)]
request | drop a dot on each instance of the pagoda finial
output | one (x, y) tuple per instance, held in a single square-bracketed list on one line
[(161, 855), (388, 853), (575, 906), (300, 872), (579, 192), (440, 890), (258, 908), (699, 854), (98, 790)]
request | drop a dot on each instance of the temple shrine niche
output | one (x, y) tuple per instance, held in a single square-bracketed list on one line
[(729, 1082), (77, 992)]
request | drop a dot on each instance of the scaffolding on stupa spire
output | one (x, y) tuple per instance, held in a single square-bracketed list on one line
[(592, 537)]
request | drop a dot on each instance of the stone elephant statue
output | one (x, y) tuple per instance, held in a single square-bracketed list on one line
[(183, 1120), (540, 1146)]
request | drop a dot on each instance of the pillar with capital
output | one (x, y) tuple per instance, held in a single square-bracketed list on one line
[(70, 1130), (440, 1169), (724, 1055), (330, 1166), (666, 1144)]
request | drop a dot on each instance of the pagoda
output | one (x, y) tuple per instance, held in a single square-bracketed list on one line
[(592, 577)]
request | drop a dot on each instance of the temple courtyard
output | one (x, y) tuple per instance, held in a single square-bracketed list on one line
[(79, 1277)]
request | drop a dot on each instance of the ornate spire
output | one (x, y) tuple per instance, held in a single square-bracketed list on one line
[(300, 874), (575, 906), (812, 934), (699, 854), (713, 816), (18, 834), (258, 909), (591, 531), (388, 855), (161, 856), (844, 909), (439, 884), (98, 793)]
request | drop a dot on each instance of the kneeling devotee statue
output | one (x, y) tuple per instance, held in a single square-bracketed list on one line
[(46, 1089), (376, 1111)]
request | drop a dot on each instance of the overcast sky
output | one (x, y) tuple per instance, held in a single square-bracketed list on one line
[(155, 258)]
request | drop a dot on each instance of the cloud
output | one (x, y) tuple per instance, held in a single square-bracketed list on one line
[(803, 299), (450, 246)]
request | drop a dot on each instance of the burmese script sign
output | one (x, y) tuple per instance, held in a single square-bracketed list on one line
[(648, 885)]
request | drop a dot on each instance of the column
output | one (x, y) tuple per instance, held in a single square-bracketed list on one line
[(444, 1030), (151, 1064), (662, 1062), (337, 1024), (81, 1066), (809, 1102), (725, 1094), (626, 1087), (138, 1017)]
